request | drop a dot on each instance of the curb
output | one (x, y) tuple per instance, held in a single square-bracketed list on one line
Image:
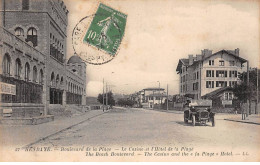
[(248, 122), (52, 134)]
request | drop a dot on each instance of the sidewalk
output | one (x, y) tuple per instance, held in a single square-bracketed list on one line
[(251, 119), (22, 135)]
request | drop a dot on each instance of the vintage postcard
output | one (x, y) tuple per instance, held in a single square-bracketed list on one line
[(129, 81)]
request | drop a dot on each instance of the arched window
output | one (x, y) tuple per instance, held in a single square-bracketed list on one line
[(52, 78), (27, 72), (57, 79), (34, 74), (41, 77), (61, 80), (32, 36), (18, 68), (19, 32), (6, 65)]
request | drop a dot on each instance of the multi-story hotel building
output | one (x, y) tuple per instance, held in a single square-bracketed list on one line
[(207, 72)]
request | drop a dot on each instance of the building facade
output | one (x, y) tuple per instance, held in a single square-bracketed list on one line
[(148, 97), (208, 72), (33, 53)]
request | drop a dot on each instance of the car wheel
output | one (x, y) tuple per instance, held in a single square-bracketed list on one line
[(213, 122), (185, 120), (193, 120)]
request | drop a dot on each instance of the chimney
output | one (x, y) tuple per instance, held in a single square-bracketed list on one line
[(198, 57), (206, 52), (190, 59), (237, 51)]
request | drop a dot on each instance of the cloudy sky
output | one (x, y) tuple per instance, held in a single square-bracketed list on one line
[(160, 32)]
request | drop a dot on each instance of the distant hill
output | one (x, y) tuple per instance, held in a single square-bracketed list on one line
[(92, 101)]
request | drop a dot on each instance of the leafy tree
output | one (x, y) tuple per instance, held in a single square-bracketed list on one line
[(243, 91), (126, 102), (111, 100)]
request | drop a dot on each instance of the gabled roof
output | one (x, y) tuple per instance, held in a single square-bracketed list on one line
[(228, 52), (185, 62), (182, 61), (216, 92)]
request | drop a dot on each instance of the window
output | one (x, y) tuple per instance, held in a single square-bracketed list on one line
[(221, 83), (209, 84), (6, 65), (25, 4), (52, 78), (211, 62), (232, 73), (57, 79), (61, 80), (230, 96), (19, 32), (34, 74), (231, 63), (195, 86), (225, 96), (32, 36), (27, 72), (18, 68), (232, 83), (197, 75), (221, 73), (210, 73), (41, 77), (221, 62)]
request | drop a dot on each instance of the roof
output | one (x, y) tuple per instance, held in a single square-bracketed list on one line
[(74, 59), (185, 61), (158, 95), (152, 89), (228, 52), (182, 61), (216, 92)]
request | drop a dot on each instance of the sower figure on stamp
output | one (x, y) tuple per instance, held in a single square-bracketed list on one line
[(106, 23)]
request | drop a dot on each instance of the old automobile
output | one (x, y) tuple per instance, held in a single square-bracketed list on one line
[(199, 111)]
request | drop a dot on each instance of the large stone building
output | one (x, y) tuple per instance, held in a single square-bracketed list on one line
[(208, 72), (34, 59)]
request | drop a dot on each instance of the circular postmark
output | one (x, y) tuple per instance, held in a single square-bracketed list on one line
[(97, 38)]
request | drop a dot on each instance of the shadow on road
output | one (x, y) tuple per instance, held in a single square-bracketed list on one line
[(190, 124)]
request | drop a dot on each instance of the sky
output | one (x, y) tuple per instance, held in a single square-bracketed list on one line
[(160, 32)]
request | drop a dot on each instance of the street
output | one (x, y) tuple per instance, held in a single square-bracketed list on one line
[(137, 127)]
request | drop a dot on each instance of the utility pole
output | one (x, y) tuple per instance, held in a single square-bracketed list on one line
[(167, 99), (103, 94), (247, 83), (256, 91), (106, 96)]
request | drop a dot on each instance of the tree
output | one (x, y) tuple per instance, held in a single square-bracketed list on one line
[(110, 96), (126, 102), (243, 91)]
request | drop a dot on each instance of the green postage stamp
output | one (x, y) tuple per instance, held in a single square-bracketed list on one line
[(106, 29)]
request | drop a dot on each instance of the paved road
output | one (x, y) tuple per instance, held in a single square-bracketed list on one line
[(136, 127)]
